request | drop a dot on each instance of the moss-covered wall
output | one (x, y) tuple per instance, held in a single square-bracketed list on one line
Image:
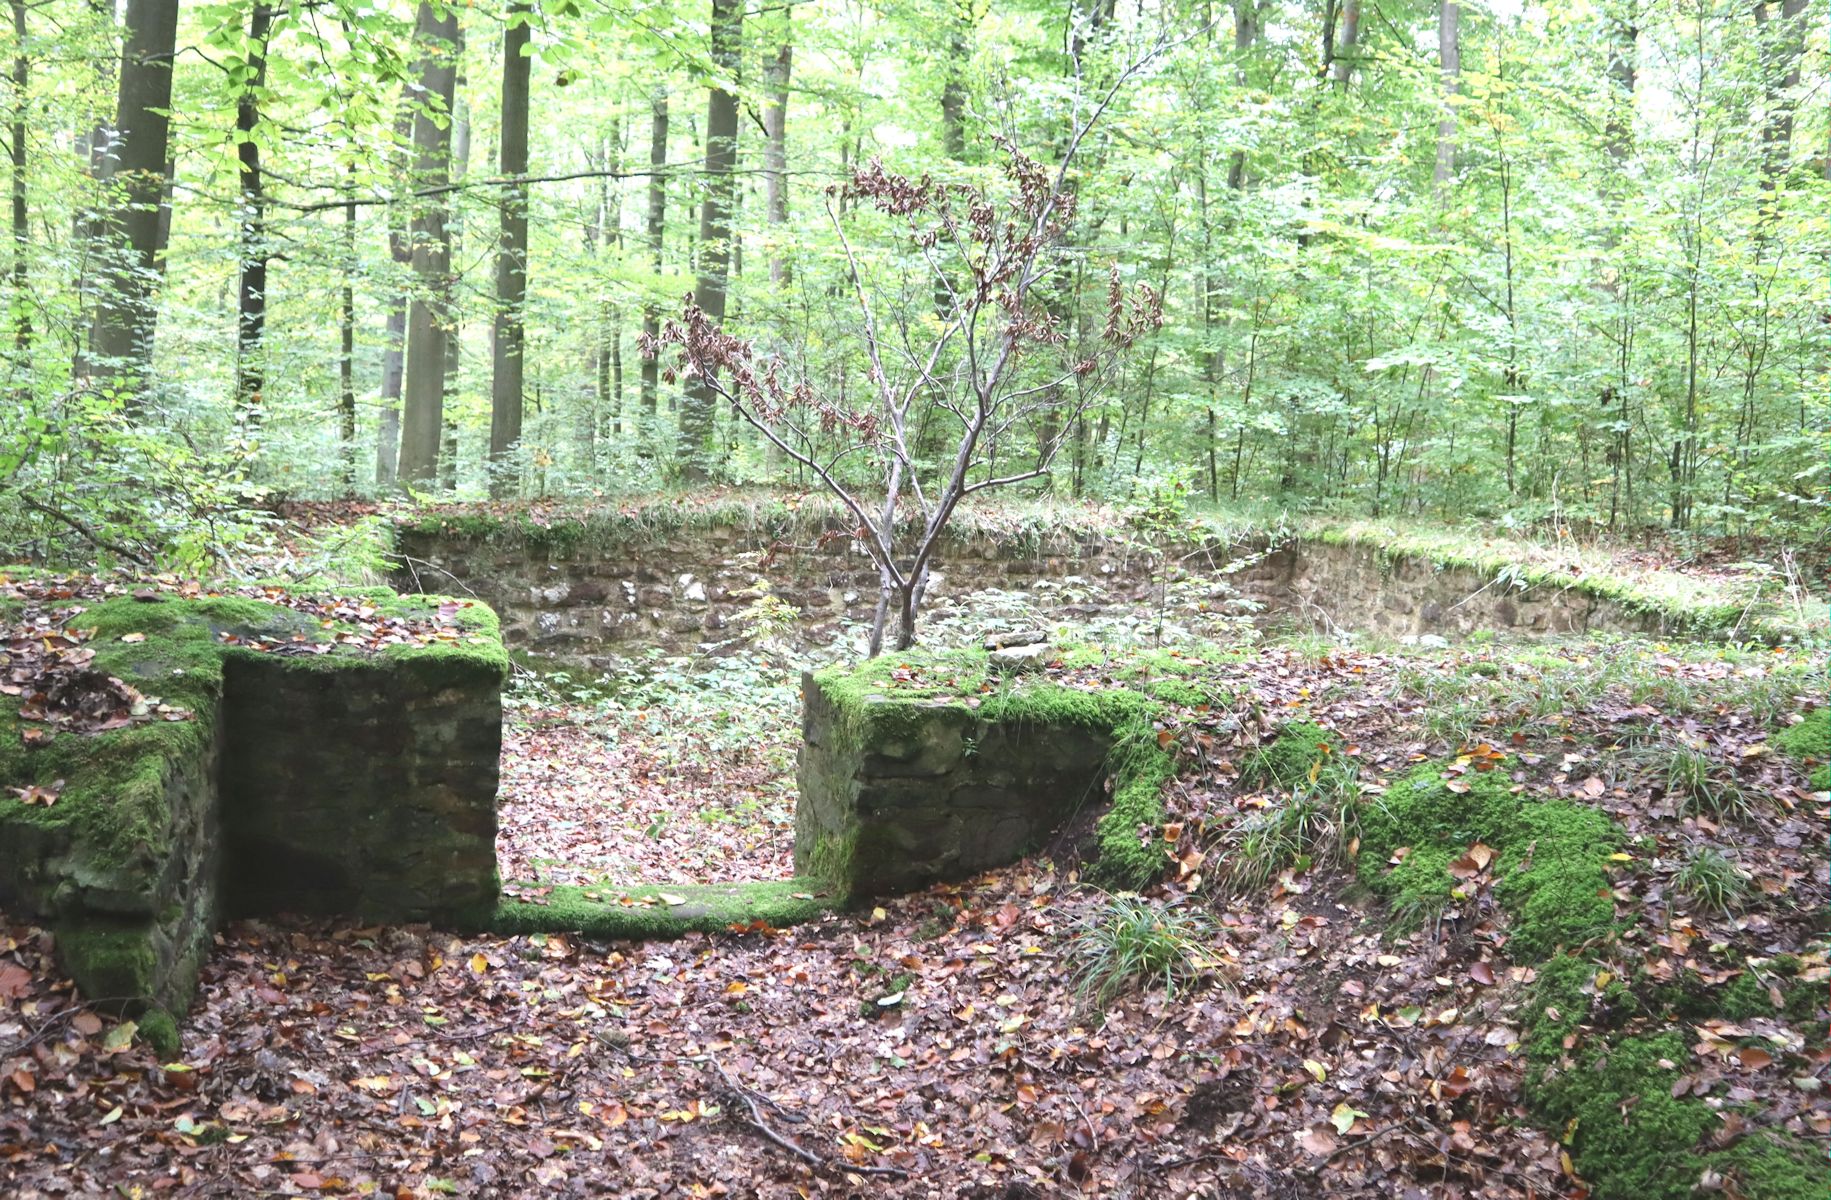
[(605, 584), (312, 764), (368, 790), (899, 791)]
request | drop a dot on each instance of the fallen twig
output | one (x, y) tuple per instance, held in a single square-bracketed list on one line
[(758, 1122)]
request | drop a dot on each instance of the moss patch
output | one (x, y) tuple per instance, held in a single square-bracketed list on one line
[(1631, 1139), (645, 911), (1627, 1134), (1810, 742), (1550, 867), (159, 1029), (114, 964), (1296, 758)]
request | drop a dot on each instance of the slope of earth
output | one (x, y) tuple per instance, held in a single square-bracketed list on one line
[(1284, 1021)]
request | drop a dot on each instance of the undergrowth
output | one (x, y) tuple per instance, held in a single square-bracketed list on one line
[(1130, 943)]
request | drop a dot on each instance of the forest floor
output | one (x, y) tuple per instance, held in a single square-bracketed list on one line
[(937, 1045)]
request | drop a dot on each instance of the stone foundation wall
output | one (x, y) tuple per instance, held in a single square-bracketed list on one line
[(305, 779), (1356, 588), (898, 794), (592, 605), (368, 790), (628, 595)]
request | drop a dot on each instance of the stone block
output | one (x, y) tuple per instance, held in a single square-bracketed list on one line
[(332, 781), (896, 794)]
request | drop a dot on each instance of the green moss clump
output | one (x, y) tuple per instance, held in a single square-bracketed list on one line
[(1139, 766), (1628, 1136), (159, 1030), (1745, 997), (1553, 877), (1551, 856), (111, 963), (1184, 693), (831, 858), (1295, 758), (600, 911), (1810, 742), (1770, 1166), (1556, 1006)]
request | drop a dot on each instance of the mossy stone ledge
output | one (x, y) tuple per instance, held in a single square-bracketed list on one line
[(904, 785), (317, 774)]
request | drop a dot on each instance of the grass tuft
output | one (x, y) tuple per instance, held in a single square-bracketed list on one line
[(1129, 943), (1711, 880), (1705, 790)]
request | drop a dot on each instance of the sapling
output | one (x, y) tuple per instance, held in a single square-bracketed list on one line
[(990, 363)]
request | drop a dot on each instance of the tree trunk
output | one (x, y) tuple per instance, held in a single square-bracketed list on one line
[(1246, 25), (22, 225), (437, 37), (394, 337), (953, 88), (775, 155), (1618, 142), (1449, 63), (1782, 39), (126, 317), (454, 254), (251, 304), (694, 450), (512, 254), (610, 313), (1347, 45), (654, 229), (346, 345)]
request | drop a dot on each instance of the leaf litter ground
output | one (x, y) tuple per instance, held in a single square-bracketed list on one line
[(937, 1041)]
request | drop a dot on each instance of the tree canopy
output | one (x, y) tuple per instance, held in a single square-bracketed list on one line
[(1559, 261)]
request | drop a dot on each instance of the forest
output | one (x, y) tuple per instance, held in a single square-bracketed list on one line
[(932, 599), (1538, 263)]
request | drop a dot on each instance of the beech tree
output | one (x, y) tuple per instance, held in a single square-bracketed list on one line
[(997, 362), (697, 413), (125, 318), (512, 252), (422, 419)]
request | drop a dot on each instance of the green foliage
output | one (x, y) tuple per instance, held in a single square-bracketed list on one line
[(1130, 942), (1703, 786), (1291, 833), (1711, 880), (1345, 333)]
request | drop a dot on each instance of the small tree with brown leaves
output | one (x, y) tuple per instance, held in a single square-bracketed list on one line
[(994, 361)]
